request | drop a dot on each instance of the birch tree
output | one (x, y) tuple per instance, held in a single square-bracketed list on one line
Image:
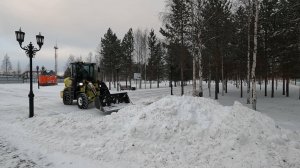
[(18, 69), (256, 5), (89, 58), (250, 13), (6, 64), (196, 43), (140, 48), (192, 40)]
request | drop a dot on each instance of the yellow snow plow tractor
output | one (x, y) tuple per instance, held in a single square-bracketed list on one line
[(83, 87)]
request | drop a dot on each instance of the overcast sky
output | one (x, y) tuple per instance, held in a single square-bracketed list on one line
[(76, 25)]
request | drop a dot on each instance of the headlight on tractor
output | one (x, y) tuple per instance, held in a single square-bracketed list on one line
[(80, 84)]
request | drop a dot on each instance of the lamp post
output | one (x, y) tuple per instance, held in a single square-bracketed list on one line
[(38, 80), (30, 52)]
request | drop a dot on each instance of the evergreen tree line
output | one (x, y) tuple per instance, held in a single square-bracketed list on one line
[(256, 41), (138, 52)]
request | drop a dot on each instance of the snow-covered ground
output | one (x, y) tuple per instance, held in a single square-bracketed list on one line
[(158, 130)]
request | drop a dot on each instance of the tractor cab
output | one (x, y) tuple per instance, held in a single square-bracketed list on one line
[(83, 71)]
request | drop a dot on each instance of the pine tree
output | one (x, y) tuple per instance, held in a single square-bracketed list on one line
[(239, 46), (217, 33), (152, 42), (270, 39), (288, 17), (110, 51), (176, 31), (127, 46), (159, 62)]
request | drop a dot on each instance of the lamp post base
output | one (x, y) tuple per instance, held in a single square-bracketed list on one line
[(31, 101)]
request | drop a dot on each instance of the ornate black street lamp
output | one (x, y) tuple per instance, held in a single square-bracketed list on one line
[(37, 73), (30, 52)]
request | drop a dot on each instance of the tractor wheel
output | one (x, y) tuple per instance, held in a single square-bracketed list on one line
[(82, 101), (67, 98)]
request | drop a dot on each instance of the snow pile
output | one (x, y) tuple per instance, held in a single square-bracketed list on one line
[(172, 132), (193, 132)]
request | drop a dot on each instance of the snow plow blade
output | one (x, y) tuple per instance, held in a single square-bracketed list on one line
[(112, 102)]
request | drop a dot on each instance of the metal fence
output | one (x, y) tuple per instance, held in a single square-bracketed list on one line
[(11, 79)]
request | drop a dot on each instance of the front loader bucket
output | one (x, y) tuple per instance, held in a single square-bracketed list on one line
[(120, 98), (112, 103)]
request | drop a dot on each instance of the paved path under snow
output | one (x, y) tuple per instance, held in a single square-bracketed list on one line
[(12, 157)]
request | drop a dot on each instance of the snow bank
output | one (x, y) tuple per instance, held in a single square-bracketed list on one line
[(172, 132)]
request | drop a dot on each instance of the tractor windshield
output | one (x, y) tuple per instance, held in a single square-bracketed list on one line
[(83, 72), (88, 73)]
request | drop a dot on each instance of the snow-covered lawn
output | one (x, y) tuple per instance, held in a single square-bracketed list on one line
[(158, 130)]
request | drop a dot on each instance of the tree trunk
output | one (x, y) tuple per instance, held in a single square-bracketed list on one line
[(222, 76), (216, 84), (109, 85), (209, 77), (209, 85), (299, 92), (287, 87), (200, 74), (226, 86), (194, 76), (283, 86), (260, 83), (140, 85), (236, 82), (248, 54), (171, 83), (266, 86), (157, 79), (272, 92), (145, 75), (114, 80), (182, 87), (241, 88), (254, 57), (171, 79)]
